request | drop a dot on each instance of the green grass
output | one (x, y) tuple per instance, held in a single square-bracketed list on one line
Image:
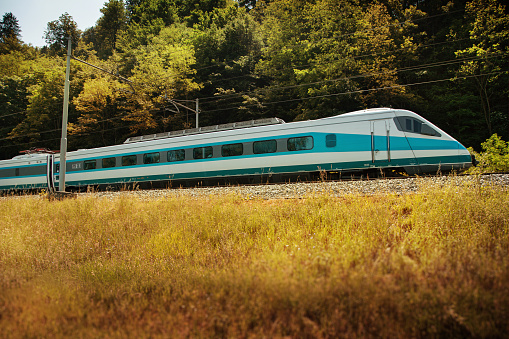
[(433, 264)]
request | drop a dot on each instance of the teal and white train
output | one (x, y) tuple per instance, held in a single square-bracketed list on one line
[(372, 140)]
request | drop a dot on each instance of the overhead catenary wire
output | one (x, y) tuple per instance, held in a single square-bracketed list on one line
[(436, 64), (354, 57), (360, 76), (75, 134), (254, 75), (277, 102), (364, 90), (227, 96)]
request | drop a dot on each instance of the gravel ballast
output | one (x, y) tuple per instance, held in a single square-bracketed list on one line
[(300, 190), (306, 189)]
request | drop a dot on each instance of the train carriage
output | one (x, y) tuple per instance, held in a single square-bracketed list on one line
[(268, 149)]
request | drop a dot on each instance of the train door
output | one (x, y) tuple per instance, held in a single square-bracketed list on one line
[(50, 160), (380, 142)]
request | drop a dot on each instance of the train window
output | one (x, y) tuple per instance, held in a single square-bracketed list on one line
[(427, 130), (129, 160), (151, 158), (408, 124), (232, 150), (90, 164), (265, 146), (300, 143), (417, 126), (202, 152), (330, 140), (176, 155), (109, 162)]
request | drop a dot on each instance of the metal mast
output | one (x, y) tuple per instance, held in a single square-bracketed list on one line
[(63, 140)]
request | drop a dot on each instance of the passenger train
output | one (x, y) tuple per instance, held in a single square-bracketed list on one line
[(376, 140)]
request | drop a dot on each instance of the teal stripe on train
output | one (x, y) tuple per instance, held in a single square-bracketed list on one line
[(345, 143)]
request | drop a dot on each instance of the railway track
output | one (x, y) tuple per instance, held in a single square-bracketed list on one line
[(365, 186)]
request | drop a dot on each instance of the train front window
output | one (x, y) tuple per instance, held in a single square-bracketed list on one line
[(202, 152), (412, 125), (408, 126), (151, 158), (265, 146), (300, 143), (232, 150), (417, 126), (176, 155), (129, 160), (108, 162)]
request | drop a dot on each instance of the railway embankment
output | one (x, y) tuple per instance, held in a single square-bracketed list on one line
[(306, 189)]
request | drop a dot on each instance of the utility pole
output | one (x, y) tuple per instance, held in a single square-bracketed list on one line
[(63, 141), (197, 112)]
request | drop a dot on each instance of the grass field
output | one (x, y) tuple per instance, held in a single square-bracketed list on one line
[(432, 264)]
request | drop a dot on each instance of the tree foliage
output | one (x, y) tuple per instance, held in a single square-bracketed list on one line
[(109, 26), (10, 34), (59, 31), (487, 55), (494, 156), (295, 59), (9, 28)]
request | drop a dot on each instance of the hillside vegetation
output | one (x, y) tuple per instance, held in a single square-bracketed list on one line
[(243, 60), (429, 264)]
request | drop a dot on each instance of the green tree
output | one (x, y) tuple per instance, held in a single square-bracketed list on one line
[(494, 156), (41, 125), (329, 56), (20, 73), (10, 34), (162, 71), (172, 11), (488, 54), (228, 45), (13, 104), (108, 27), (100, 109), (58, 31)]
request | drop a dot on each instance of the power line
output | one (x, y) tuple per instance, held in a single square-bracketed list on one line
[(360, 76), (287, 101), (229, 96), (360, 91), (252, 75), (75, 134)]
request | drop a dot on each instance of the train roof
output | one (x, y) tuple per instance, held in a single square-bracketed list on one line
[(367, 111), (236, 125), (206, 129)]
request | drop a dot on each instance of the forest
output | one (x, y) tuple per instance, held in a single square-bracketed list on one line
[(242, 60)]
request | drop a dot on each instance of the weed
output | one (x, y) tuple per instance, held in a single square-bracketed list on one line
[(431, 264)]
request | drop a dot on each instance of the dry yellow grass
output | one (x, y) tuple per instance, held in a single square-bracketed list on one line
[(433, 264)]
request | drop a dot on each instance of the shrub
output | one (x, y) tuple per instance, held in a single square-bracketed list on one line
[(493, 158)]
